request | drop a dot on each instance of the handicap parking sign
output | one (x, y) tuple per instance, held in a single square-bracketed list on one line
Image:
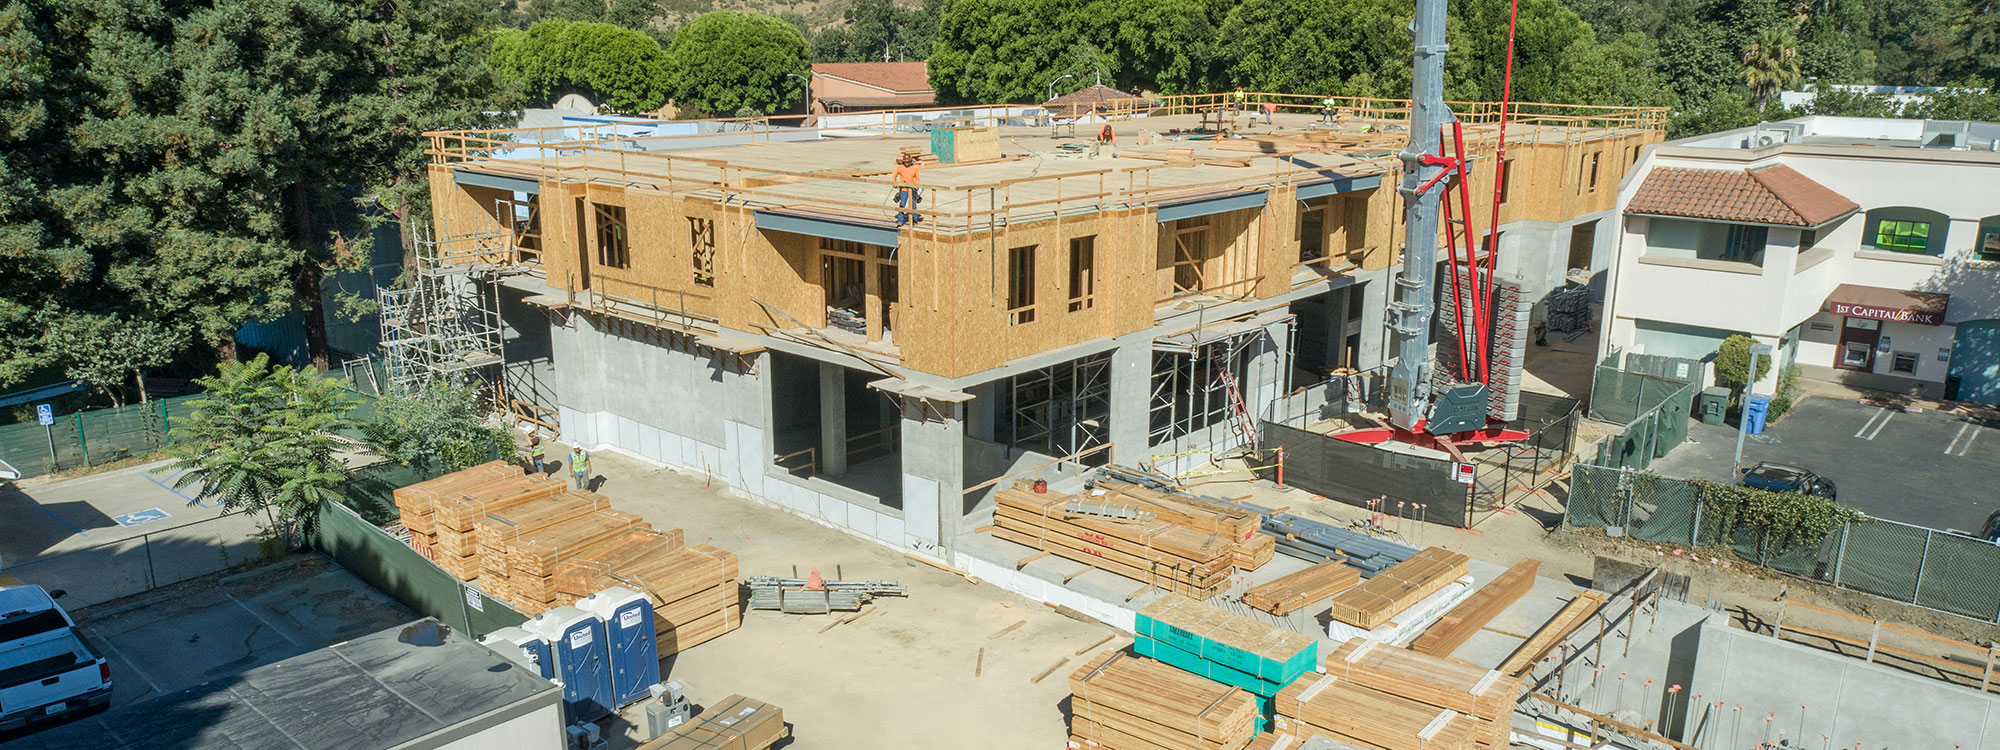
[(45, 414), (138, 517)]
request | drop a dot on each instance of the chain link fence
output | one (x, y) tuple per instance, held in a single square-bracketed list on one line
[(135, 565), (100, 436), (1927, 567), (1654, 410)]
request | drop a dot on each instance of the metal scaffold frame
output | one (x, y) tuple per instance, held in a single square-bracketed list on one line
[(1062, 409), (447, 321)]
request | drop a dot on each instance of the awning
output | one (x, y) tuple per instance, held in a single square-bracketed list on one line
[(1894, 305)]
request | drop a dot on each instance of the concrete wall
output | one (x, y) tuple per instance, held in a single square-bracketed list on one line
[(1851, 701)]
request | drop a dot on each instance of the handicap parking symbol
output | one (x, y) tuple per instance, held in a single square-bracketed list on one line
[(139, 517)]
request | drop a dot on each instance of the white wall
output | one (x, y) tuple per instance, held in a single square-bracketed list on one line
[(541, 729)]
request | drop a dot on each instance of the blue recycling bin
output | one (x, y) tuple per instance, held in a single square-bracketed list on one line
[(1754, 410)]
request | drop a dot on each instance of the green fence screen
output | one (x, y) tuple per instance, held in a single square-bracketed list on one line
[(100, 436), (386, 563)]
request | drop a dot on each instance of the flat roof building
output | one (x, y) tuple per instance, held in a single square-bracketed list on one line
[(756, 309), (1866, 251)]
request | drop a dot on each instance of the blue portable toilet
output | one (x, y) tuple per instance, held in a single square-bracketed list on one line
[(1754, 410), (635, 654), (523, 647), (582, 663)]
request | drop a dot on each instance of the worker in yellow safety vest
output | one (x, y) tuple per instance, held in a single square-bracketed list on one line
[(536, 452), (579, 466), (1326, 109)]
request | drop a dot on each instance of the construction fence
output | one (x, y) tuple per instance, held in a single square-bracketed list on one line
[(1939, 570), (1359, 474), (1653, 409), (135, 565), (387, 562)]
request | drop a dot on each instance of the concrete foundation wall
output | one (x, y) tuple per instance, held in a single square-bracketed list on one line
[(1814, 693)]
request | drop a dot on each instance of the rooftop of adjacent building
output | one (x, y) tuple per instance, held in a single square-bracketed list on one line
[(1167, 149), (1865, 132)]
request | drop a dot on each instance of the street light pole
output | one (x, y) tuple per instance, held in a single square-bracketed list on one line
[(809, 94), (1052, 85), (1742, 415)]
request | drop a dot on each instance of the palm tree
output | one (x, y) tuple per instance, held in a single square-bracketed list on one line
[(1771, 63)]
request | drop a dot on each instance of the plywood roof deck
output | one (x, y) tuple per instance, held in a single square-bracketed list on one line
[(846, 174)]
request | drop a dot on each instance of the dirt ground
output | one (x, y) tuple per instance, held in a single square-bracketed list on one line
[(945, 667)]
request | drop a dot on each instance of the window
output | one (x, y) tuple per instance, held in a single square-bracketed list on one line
[(612, 250), (701, 239), (1807, 239), (1586, 173), (1312, 230), (1904, 363), (1988, 248), (1021, 285), (1903, 236), (1745, 244), (1082, 273)]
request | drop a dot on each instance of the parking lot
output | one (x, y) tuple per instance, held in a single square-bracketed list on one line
[(1905, 464)]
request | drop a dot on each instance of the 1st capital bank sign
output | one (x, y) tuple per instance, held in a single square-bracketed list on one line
[(1891, 314)]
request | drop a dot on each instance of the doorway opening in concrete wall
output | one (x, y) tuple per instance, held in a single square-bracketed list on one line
[(829, 426), (1582, 239)]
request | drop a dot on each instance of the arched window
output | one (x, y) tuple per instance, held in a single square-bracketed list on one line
[(1903, 229)]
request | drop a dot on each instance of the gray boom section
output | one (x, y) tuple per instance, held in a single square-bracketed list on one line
[(1410, 309)]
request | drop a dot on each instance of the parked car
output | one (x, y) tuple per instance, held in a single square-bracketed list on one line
[(1787, 478), (46, 671), (1990, 531)]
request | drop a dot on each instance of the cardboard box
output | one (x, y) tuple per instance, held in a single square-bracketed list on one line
[(733, 723)]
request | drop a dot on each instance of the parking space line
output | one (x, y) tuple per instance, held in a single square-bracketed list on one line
[(1879, 411), (178, 493), (1886, 416), (129, 664), (59, 519), (1967, 447), (1953, 446), (267, 622)]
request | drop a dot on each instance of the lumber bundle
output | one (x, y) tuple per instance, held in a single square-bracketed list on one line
[(1294, 592), (538, 555), (1221, 646), (1252, 548), (1566, 621), (1157, 552), (1396, 589), (415, 503), (1121, 702), (693, 589), (1484, 605), (460, 510), (1437, 681), (1343, 710)]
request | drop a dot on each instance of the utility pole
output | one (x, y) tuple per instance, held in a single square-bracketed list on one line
[(1743, 414), (1412, 296)]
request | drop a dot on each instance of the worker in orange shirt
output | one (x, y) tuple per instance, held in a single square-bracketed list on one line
[(905, 178)]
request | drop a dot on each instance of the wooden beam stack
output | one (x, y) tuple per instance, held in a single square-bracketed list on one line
[(490, 534), (1396, 589), (1572, 616), (1483, 699), (1158, 552), (416, 503), (455, 514), (1485, 604), (1299, 590), (1122, 702), (1343, 710), (693, 589), (1223, 646), (1252, 547)]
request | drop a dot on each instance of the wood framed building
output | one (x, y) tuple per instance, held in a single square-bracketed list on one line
[(746, 302)]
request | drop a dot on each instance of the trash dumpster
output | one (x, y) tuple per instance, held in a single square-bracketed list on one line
[(1711, 404), (1753, 413)]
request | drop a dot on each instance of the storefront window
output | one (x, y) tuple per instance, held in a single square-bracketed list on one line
[(1904, 236)]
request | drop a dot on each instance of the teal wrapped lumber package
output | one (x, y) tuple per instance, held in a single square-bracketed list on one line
[(1230, 676), (1258, 651)]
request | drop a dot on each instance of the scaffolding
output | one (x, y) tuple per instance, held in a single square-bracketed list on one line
[(446, 322), (1203, 379), (1063, 409)]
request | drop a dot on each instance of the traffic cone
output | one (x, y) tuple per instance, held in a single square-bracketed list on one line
[(814, 582)]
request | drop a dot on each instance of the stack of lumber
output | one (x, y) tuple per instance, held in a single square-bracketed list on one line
[(1483, 699), (1121, 702), (693, 589), (416, 503), (1484, 605), (1298, 590), (1572, 616), (455, 516), (1251, 547), (1224, 647), (490, 534), (1158, 552), (1343, 710), (531, 559), (1396, 589)]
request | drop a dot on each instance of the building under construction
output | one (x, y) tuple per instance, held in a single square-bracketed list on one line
[(740, 299)]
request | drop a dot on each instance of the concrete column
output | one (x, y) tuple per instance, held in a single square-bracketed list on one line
[(982, 414), (832, 419), (1131, 402), (933, 475), (1266, 372)]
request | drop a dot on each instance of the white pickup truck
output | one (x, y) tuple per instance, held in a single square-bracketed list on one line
[(45, 670)]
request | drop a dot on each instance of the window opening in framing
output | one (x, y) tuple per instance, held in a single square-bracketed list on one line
[(1082, 273), (1312, 230), (701, 240), (1021, 285), (522, 215), (1506, 179), (1190, 251), (612, 248)]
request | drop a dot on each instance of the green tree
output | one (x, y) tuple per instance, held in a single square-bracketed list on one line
[(262, 439), (441, 428), (618, 68), (1732, 362), (1000, 50), (728, 60), (109, 352), (1770, 64)]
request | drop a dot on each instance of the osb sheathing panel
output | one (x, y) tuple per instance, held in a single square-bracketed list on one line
[(460, 210), (560, 241)]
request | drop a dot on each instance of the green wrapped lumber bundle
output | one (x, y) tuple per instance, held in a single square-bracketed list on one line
[(1224, 647)]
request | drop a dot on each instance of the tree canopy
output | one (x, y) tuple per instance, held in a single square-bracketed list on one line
[(616, 67), (727, 61)]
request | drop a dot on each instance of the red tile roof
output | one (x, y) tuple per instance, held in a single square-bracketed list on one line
[(1768, 195), (1079, 102), (896, 77)]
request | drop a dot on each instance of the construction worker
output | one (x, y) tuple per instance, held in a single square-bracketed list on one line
[(1270, 108), (579, 466), (1240, 105), (536, 452), (905, 178), (1326, 109)]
